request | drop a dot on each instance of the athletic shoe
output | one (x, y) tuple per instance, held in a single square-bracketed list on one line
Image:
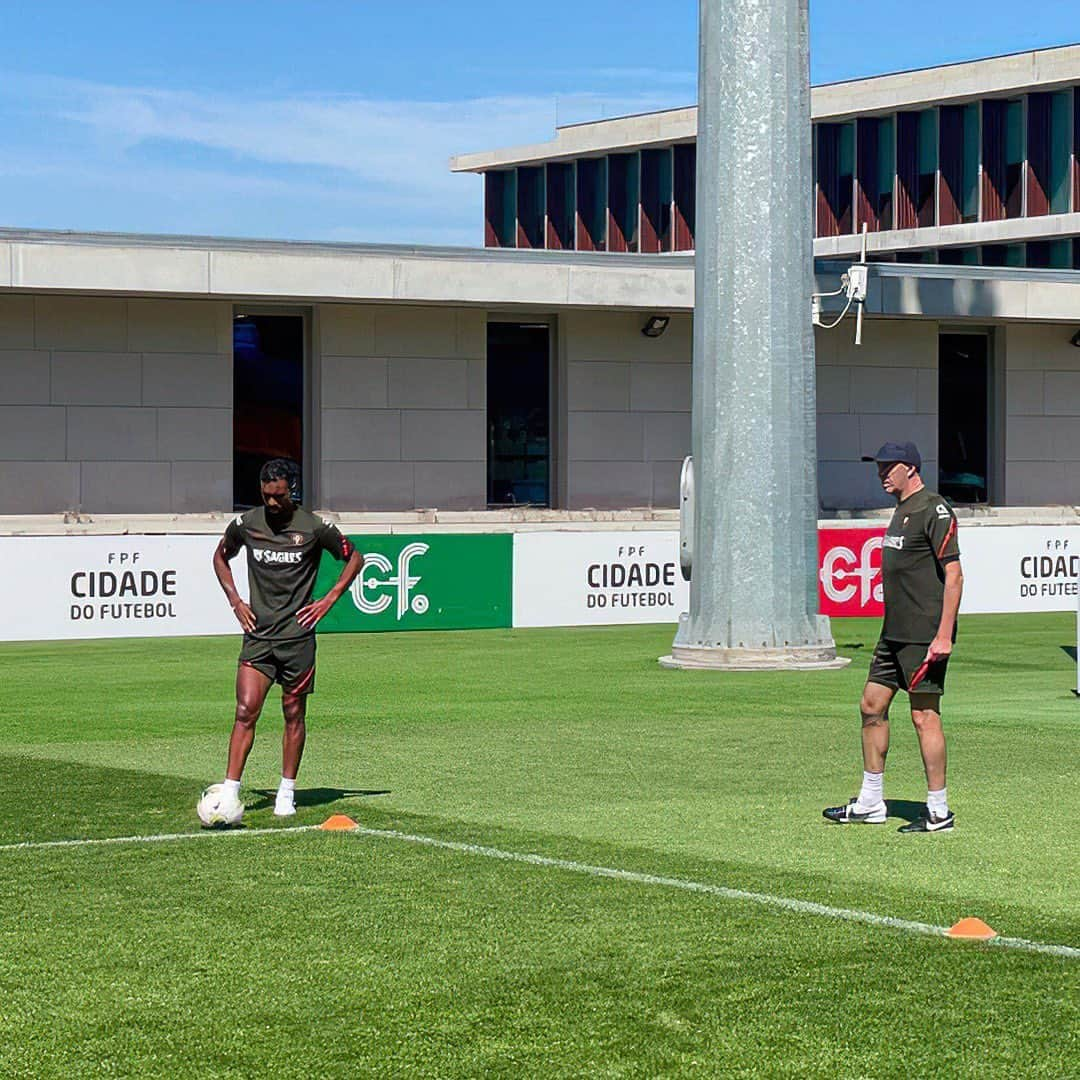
[(929, 823), (284, 806), (848, 815)]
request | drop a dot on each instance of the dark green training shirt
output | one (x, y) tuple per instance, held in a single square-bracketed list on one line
[(920, 540), (283, 561)]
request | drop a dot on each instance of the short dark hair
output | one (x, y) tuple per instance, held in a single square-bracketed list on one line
[(286, 469)]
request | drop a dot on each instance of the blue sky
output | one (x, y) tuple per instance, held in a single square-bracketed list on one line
[(333, 120)]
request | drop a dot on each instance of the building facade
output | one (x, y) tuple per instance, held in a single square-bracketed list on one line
[(968, 164), (151, 375)]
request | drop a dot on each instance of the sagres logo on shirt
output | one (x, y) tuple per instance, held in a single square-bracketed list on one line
[(268, 556)]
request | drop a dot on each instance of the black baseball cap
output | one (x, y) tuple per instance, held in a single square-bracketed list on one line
[(906, 452)]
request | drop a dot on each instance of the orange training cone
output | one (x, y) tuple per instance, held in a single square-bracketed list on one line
[(338, 821), (972, 929)]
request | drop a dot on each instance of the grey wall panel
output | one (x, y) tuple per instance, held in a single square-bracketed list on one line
[(368, 485), (429, 383), (39, 487), (838, 437), (96, 378), (179, 326), (666, 476), (32, 433), (347, 330), (107, 434), (83, 323), (24, 377), (444, 435), (603, 436), (16, 322), (190, 379), (608, 485), (451, 485), (201, 487), (660, 387), (194, 434), (667, 436), (355, 382), (361, 435), (123, 487), (598, 386), (416, 331)]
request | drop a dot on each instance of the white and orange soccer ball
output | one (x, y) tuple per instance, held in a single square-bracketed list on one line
[(218, 809)]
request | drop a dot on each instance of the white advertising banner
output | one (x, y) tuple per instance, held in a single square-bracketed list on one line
[(58, 587), (1019, 568), (596, 578)]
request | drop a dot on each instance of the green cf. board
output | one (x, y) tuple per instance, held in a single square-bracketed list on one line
[(433, 581)]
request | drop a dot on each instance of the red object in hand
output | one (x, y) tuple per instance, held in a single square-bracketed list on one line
[(920, 674)]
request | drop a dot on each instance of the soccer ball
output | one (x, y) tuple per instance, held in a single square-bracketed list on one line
[(217, 809)]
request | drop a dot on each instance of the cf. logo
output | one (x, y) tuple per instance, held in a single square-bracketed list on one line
[(365, 587), (842, 565)]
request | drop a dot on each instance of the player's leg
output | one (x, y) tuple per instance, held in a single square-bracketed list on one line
[(299, 681), (252, 686), (926, 716), (868, 807)]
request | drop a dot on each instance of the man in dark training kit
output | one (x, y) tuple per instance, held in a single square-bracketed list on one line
[(923, 582), (284, 544)]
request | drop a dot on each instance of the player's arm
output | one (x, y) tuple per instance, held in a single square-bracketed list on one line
[(340, 547), (226, 550), (941, 532)]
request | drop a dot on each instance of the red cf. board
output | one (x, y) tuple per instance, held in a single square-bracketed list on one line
[(849, 571)]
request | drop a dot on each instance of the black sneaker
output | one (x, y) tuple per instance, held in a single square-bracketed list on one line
[(847, 815), (929, 823)]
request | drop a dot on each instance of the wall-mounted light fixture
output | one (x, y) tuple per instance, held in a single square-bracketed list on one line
[(656, 325)]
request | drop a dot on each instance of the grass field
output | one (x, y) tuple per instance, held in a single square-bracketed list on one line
[(316, 954)]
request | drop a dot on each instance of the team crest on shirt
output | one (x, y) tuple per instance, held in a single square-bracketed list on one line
[(296, 538)]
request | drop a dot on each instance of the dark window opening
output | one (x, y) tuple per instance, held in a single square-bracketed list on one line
[(530, 233), (876, 166), (560, 206), (591, 204), (963, 417), (500, 209), (623, 202), (518, 415), (268, 398), (685, 191), (656, 195), (836, 169)]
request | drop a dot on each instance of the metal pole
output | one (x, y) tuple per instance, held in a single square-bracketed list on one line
[(753, 590)]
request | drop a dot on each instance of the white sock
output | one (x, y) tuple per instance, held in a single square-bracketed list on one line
[(872, 792), (232, 787), (287, 788), (937, 803)]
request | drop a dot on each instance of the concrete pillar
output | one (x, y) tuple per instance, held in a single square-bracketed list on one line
[(753, 591)]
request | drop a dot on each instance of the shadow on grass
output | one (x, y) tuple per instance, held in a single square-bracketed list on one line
[(318, 796), (905, 808)]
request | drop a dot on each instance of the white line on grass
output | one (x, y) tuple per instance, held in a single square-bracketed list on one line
[(784, 903)]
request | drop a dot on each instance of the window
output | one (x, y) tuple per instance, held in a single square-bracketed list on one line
[(958, 142), (656, 196), (835, 166), (268, 398), (591, 204), (877, 164), (963, 417), (685, 190), (560, 206), (623, 202), (530, 231), (500, 209), (916, 169), (518, 414)]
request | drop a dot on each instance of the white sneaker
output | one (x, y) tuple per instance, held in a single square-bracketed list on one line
[(284, 805)]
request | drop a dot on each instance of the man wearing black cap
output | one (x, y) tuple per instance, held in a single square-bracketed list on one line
[(920, 572)]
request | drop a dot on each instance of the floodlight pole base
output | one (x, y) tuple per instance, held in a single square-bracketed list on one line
[(783, 658)]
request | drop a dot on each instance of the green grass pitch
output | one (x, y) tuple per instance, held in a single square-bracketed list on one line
[(340, 955)]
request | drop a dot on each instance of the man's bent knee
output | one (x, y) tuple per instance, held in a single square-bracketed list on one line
[(247, 713)]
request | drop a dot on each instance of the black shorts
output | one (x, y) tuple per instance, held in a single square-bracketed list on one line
[(894, 662), (290, 663)]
